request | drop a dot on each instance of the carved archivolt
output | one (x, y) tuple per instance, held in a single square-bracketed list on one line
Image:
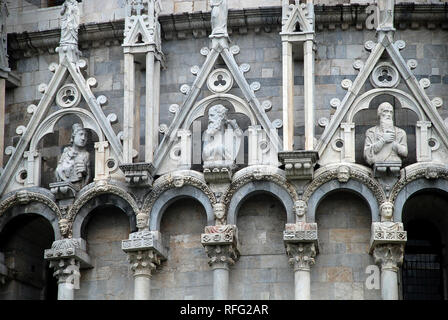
[(170, 181), (23, 197), (259, 173), (95, 189), (430, 171), (354, 173)]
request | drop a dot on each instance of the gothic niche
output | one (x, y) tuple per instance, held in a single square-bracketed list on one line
[(385, 144), (73, 167), (385, 132)]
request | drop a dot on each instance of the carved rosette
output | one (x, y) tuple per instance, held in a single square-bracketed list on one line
[(220, 243), (145, 251), (389, 256), (301, 255)]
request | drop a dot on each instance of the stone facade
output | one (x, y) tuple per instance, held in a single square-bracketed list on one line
[(291, 210)]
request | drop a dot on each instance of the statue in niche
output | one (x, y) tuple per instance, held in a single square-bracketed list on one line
[(69, 23), (385, 143), (385, 14), (73, 166), (219, 18), (222, 138)]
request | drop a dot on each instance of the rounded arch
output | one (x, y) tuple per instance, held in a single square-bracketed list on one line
[(170, 196), (101, 200), (406, 101), (332, 186), (199, 108), (95, 189), (36, 208), (47, 126), (256, 187), (413, 187)]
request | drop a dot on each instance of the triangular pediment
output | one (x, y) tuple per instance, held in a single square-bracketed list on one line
[(138, 31), (296, 20), (357, 99), (256, 110), (42, 120)]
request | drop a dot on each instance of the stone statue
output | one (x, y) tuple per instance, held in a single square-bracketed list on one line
[(219, 18), (69, 23), (385, 14), (222, 138), (68, 44), (64, 227), (385, 143), (73, 165), (343, 174)]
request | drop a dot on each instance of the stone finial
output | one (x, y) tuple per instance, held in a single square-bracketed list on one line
[(389, 256), (219, 18), (68, 44), (385, 15)]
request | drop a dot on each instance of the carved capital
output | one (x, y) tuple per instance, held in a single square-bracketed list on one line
[(221, 256), (300, 232), (144, 262), (301, 255), (389, 256), (66, 270), (299, 164)]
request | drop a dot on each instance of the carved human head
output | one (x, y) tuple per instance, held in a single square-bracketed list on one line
[(79, 135), (385, 111), (219, 209), (300, 208), (217, 114), (142, 221), (343, 174), (387, 211), (64, 227)]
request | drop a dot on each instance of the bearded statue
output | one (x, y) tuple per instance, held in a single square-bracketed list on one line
[(385, 142)]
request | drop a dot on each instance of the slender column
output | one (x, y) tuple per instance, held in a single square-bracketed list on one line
[(288, 97), (68, 275), (2, 119), (150, 107), (156, 113), (3, 269), (301, 244), (220, 244), (136, 116), (389, 257), (308, 73), (67, 256), (129, 107), (145, 253), (301, 257)]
